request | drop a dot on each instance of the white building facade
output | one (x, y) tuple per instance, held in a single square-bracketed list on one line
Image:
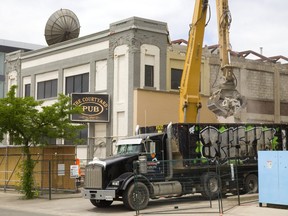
[(135, 63), (116, 61)]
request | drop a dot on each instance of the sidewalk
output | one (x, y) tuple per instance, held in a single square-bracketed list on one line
[(253, 209), (44, 195), (74, 204)]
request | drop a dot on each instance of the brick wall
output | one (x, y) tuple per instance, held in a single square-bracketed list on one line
[(260, 85)]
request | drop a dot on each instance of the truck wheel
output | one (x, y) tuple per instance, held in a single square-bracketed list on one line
[(136, 196), (101, 203), (251, 183), (210, 185)]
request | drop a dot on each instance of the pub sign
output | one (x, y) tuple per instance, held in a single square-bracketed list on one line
[(95, 107)]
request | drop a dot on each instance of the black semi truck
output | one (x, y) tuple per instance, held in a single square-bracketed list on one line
[(180, 160)]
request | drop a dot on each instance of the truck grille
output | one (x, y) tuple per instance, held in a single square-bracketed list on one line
[(93, 176)]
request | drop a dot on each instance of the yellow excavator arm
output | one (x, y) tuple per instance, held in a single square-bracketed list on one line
[(226, 100), (190, 101)]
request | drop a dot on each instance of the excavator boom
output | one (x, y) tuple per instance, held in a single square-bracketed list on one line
[(190, 101), (226, 100)]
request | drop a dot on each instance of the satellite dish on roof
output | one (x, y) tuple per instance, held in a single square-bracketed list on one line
[(62, 25)]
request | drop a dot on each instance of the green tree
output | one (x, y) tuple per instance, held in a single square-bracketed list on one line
[(28, 123)]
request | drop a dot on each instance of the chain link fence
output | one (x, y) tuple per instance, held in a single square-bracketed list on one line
[(56, 169), (198, 186)]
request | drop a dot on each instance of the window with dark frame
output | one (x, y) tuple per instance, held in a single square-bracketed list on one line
[(149, 76), (78, 83), (27, 89), (48, 141), (83, 135), (47, 89), (176, 75)]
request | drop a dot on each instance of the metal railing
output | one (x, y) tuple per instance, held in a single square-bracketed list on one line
[(185, 186), (53, 173)]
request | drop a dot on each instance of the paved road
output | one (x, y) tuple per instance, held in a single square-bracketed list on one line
[(72, 205), (11, 212), (75, 205)]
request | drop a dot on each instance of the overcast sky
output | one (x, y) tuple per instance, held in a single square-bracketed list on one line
[(255, 23)]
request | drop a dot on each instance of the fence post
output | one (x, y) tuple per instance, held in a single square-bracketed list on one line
[(237, 181), (136, 167), (50, 178), (218, 171), (6, 170)]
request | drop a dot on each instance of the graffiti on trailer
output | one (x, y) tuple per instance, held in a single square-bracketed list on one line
[(231, 142)]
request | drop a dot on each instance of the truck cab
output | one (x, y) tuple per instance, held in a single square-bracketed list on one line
[(113, 178), (150, 145)]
